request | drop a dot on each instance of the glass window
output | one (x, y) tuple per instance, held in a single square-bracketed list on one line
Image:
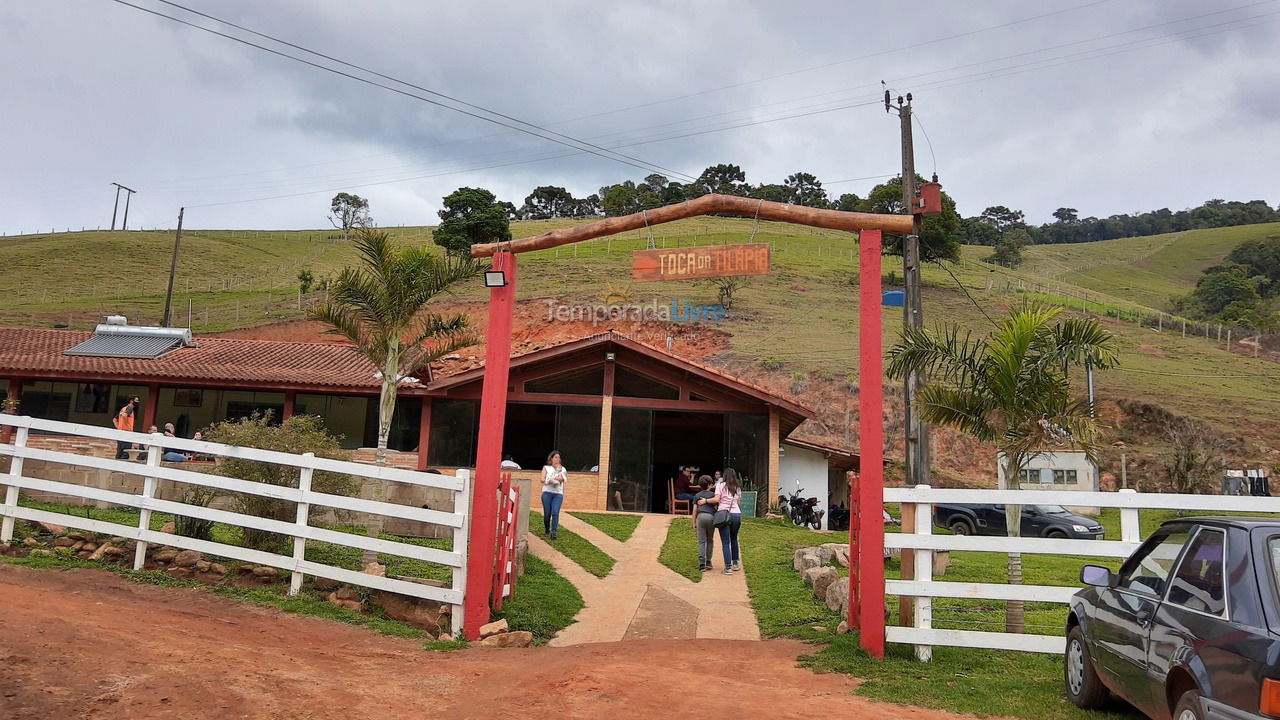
[(584, 381), (629, 383), (578, 436), (1148, 569), (1029, 476), (1198, 582), (1064, 477), (454, 426)]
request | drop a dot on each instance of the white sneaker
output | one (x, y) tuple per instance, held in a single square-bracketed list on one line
[(737, 566)]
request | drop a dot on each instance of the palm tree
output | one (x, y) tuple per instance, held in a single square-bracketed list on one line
[(1011, 389), (380, 306)]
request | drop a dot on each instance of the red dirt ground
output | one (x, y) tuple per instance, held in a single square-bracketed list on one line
[(87, 644)]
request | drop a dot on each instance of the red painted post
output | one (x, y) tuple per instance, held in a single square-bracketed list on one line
[(493, 412), (852, 616), (290, 400), (871, 449), (149, 409)]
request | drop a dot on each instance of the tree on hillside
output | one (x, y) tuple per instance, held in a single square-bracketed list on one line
[(1197, 455), (1066, 215), (806, 190), (348, 212), (1008, 252), (471, 216), (620, 199), (940, 238), (546, 202), (847, 202), (724, 179), (381, 307), (1002, 218), (1010, 389), (772, 193)]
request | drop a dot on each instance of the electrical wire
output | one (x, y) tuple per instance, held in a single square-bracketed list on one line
[(568, 141)]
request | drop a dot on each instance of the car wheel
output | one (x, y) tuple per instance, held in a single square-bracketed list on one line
[(960, 526), (1188, 707), (1055, 534), (1084, 687)]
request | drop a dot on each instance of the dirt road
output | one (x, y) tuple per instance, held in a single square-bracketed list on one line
[(89, 644)]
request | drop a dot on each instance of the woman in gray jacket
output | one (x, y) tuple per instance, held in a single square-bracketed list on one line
[(703, 522)]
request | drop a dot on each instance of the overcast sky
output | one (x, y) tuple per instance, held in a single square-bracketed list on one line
[(1070, 109)]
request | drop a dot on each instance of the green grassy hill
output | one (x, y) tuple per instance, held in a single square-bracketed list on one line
[(800, 321)]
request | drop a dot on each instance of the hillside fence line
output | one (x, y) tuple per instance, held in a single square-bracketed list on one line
[(218, 303)]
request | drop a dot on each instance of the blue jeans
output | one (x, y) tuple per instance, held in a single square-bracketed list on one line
[(551, 503), (172, 456), (729, 540)]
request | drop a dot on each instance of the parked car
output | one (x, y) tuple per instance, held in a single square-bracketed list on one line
[(1037, 521), (1189, 628)]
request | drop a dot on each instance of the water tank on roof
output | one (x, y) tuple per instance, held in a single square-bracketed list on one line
[(894, 298)]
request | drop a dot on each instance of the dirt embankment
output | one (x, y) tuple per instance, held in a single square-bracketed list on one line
[(90, 645)]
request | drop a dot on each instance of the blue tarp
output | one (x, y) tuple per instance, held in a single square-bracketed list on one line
[(894, 298)]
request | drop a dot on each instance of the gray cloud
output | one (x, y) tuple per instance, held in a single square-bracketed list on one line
[(99, 93)]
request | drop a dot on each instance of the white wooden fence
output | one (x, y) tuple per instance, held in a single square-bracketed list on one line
[(297, 564), (921, 590)]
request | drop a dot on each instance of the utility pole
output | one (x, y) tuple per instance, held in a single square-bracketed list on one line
[(173, 271), (125, 224), (914, 428)]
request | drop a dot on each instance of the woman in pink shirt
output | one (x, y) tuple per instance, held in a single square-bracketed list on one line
[(728, 495)]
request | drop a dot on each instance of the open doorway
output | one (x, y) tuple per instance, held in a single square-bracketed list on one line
[(684, 438)]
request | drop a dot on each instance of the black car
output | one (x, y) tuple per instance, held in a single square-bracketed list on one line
[(1037, 521), (1189, 628)]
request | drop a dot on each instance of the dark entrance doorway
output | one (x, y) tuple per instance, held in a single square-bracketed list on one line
[(684, 438)]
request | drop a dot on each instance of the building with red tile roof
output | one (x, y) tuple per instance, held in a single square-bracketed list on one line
[(624, 414)]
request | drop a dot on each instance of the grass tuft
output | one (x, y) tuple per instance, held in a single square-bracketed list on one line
[(575, 547), (544, 602), (618, 527), (680, 549)]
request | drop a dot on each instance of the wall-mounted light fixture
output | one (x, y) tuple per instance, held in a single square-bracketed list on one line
[(610, 357), (495, 279)]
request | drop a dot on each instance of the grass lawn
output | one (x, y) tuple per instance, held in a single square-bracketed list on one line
[(544, 602), (680, 549), (575, 547), (982, 682), (618, 527)]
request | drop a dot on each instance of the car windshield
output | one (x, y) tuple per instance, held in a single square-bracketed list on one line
[(1053, 510)]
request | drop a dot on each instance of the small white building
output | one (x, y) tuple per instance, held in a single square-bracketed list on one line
[(1059, 470), (818, 470)]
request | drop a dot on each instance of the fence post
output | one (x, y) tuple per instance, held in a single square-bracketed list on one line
[(304, 513), (11, 492), (462, 509), (923, 573), (1130, 527), (144, 513)]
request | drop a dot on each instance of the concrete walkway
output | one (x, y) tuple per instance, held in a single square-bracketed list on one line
[(641, 597)]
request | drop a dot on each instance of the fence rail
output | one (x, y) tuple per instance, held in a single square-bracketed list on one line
[(921, 590), (300, 530)]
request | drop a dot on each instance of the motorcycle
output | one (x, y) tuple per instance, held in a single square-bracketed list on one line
[(838, 519), (803, 511)]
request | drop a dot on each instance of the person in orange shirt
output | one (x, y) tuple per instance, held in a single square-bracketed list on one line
[(124, 421)]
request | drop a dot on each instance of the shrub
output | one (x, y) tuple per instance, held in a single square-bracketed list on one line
[(298, 434), (771, 363), (197, 528)]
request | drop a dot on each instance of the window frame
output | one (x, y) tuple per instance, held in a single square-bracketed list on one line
[(1177, 562), (1182, 557)]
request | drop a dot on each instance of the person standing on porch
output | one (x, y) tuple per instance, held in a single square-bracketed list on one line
[(704, 511), (553, 479), (728, 494), (124, 421)]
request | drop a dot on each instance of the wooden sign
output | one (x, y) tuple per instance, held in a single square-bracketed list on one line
[(692, 263)]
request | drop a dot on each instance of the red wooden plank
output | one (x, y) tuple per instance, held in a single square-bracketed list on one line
[(871, 446)]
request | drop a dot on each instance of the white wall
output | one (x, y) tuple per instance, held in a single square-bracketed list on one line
[(810, 469), (1046, 463)]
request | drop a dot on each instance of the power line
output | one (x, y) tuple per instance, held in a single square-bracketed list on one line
[(844, 61), (946, 82), (592, 149)]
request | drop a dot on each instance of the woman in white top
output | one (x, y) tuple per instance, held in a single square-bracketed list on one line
[(553, 479), (728, 495)]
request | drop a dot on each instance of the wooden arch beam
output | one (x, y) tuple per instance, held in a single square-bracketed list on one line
[(705, 205)]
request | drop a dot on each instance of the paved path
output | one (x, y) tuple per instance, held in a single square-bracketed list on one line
[(644, 599)]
